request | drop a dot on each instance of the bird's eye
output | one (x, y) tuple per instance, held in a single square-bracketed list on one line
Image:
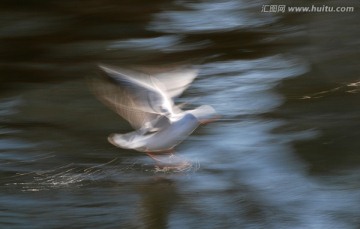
[(162, 109)]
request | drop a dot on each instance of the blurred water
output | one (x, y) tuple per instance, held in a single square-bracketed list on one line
[(284, 154)]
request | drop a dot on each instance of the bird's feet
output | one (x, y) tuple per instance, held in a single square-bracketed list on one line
[(166, 162)]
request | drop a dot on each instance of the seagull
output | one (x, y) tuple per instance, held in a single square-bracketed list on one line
[(147, 103)]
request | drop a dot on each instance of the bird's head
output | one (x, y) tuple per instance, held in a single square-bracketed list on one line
[(205, 114)]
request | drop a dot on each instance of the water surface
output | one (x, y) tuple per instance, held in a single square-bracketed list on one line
[(284, 154)]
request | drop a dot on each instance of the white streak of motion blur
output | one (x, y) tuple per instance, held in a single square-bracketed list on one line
[(248, 153)]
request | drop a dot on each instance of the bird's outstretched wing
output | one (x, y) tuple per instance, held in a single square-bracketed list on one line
[(177, 81), (138, 98)]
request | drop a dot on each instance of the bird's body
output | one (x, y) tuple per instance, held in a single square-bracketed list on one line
[(159, 141), (146, 102)]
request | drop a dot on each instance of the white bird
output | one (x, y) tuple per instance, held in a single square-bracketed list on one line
[(146, 102)]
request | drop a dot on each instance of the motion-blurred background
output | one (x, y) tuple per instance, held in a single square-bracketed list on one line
[(284, 155)]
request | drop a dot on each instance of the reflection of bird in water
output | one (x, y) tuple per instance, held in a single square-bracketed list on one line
[(159, 197), (146, 102)]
